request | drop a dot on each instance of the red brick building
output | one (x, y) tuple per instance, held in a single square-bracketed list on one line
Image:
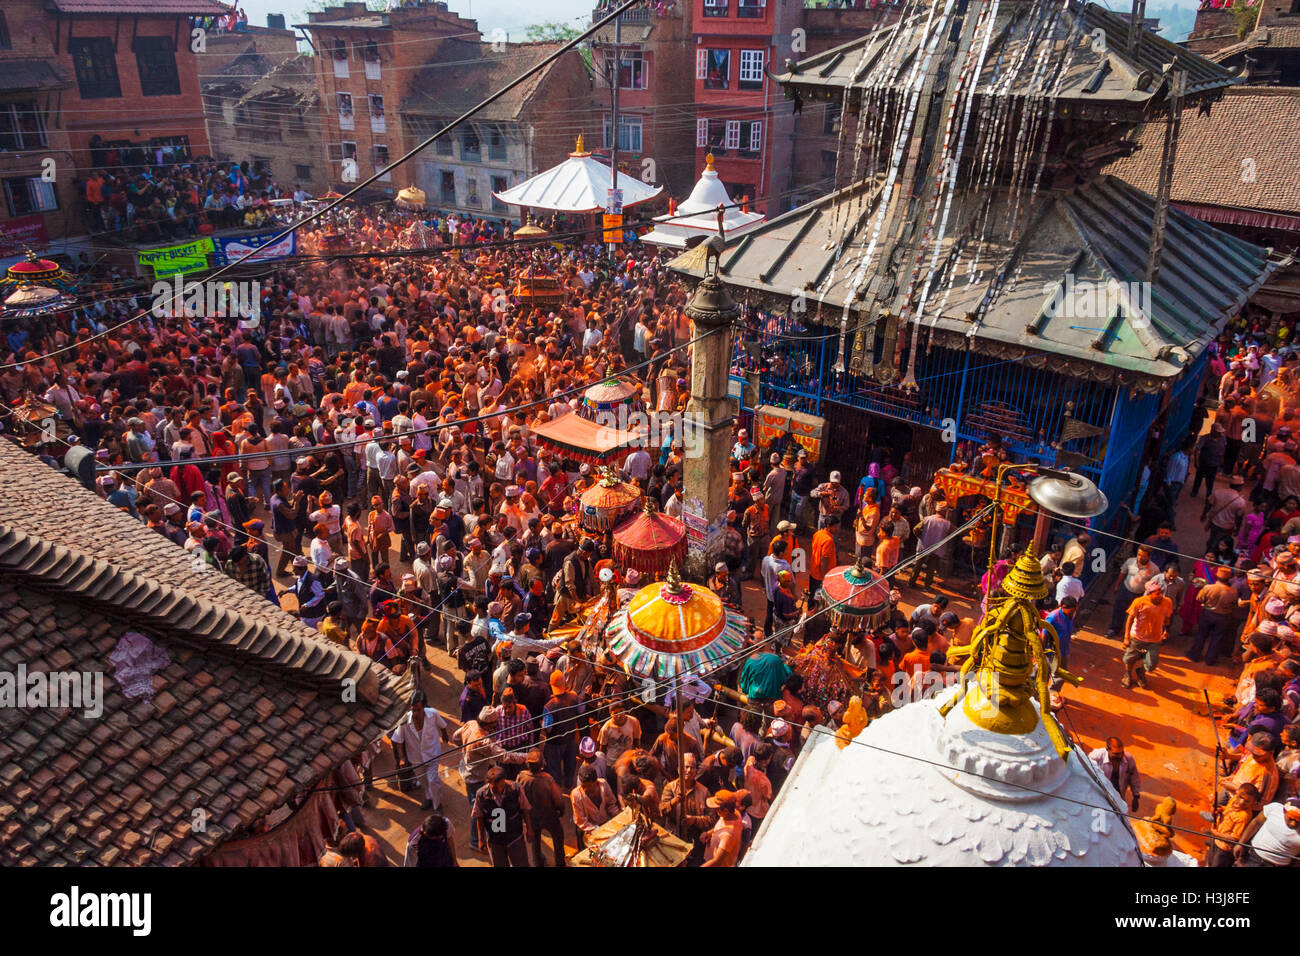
[(119, 77), (135, 72), (742, 117), (388, 81), (366, 63), (817, 126), (656, 91)]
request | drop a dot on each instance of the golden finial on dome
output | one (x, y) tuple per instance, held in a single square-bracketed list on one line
[(708, 163), (578, 147), (1003, 653), (673, 581), (1025, 579)]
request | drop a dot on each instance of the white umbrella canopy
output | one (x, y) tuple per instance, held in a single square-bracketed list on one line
[(579, 184)]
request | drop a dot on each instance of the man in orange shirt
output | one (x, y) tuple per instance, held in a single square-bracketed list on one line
[(1144, 631), (822, 557)]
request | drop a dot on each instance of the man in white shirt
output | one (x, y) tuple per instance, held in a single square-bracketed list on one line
[(417, 742), (1069, 585), (386, 464), (1274, 835), (638, 465)]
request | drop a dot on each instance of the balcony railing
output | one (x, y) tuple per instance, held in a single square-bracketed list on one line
[(641, 14)]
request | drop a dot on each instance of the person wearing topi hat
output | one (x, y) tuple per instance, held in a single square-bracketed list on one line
[(724, 584), (743, 449), (774, 483), (1145, 629), (1217, 618)]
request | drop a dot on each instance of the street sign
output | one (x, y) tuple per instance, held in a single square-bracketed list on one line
[(613, 228)]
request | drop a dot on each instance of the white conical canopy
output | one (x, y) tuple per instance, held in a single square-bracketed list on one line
[(579, 184), (698, 215)]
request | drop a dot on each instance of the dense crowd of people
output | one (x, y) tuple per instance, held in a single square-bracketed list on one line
[(366, 457), (155, 198)]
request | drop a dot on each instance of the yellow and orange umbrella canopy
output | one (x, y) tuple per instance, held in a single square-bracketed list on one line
[(674, 628)]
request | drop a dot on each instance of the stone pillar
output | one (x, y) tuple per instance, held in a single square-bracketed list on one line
[(709, 417)]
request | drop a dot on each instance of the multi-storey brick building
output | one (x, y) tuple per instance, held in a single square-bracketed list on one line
[(389, 80), (763, 150), (365, 65), (263, 106), (655, 93), (812, 170), (85, 80), (741, 116)]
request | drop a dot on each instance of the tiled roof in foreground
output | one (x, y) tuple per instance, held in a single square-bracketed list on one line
[(250, 708)]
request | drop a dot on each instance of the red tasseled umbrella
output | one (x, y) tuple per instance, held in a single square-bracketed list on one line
[(650, 541), (856, 596)]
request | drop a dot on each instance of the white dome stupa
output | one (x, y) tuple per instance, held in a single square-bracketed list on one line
[(698, 215)]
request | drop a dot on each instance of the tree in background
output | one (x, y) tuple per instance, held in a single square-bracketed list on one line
[(552, 31)]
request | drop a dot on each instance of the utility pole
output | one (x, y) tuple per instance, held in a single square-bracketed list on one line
[(613, 124)]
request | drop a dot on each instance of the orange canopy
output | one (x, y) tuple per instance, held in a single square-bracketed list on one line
[(578, 438)]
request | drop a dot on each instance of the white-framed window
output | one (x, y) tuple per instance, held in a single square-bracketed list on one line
[(701, 64), (629, 132), (22, 126), (701, 132), (715, 8), (345, 154), (340, 59), (379, 156), (755, 137), (378, 123), (633, 71), (733, 134), (751, 69), (750, 8), (25, 195), (344, 101)]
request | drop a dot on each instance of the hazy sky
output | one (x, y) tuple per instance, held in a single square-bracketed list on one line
[(513, 16), (510, 15)]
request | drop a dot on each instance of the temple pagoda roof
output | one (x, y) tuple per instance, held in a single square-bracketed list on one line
[(1077, 239), (1089, 48)]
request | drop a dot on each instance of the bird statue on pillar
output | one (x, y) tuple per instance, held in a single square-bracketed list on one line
[(714, 246)]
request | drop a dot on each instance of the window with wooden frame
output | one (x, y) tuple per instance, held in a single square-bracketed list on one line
[(95, 63), (155, 58)]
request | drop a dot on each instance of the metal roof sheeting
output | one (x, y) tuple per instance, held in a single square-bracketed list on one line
[(1082, 239), (1093, 72)]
